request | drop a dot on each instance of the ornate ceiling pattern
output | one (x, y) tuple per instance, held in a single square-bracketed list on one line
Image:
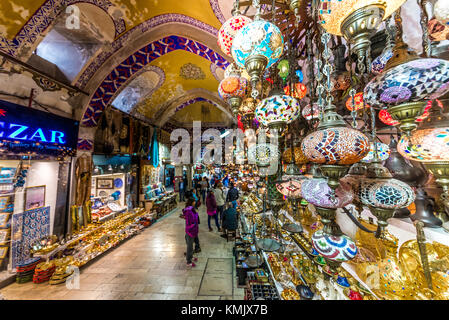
[(118, 77)]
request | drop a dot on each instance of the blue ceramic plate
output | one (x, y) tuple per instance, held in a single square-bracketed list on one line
[(118, 183)]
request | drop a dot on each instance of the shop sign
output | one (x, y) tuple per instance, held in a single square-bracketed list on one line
[(26, 130)]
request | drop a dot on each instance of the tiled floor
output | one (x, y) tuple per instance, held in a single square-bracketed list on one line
[(150, 266)]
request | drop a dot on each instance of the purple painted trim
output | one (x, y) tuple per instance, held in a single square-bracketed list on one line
[(192, 101), (134, 63), (44, 17), (121, 42), (217, 11)]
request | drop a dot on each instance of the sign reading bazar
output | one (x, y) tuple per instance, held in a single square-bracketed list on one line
[(25, 130)]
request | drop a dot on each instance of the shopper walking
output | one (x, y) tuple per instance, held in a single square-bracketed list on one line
[(211, 205), (192, 228), (220, 199), (233, 195), (204, 186)]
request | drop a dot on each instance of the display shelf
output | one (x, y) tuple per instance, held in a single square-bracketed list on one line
[(345, 266)]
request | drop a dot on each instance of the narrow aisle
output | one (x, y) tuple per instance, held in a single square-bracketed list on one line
[(150, 266)]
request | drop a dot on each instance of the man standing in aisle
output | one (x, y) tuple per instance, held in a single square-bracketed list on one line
[(220, 199), (204, 186), (233, 195), (182, 190)]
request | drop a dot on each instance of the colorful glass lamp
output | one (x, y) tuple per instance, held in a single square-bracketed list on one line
[(277, 110), (233, 89), (229, 29), (406, 87), (257, 46)]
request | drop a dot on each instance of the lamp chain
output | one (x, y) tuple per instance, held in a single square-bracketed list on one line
[(236, 10), (327, 67), (425, 29), (256, 4)]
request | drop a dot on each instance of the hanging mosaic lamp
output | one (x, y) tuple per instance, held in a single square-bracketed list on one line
[(429, 144), (309, 112), (386, 118), (359, 103), (335, 146), (317, 192), (326, 200), (334, 249), (356, 20), (406, 87), (383, 194), (277, 110), (257, 46), (290, 187), (233, 89), (299, 90), (228, 31), (383, 152), (284, 69), (441, 11)]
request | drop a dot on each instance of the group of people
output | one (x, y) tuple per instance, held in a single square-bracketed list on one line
[(219, 207)]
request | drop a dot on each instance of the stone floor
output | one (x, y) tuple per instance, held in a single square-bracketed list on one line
[(150, 266)]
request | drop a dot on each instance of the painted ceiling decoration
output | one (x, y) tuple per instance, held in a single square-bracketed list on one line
[(217, 11), (190, 71), (44, 17), (124, 40), (217, 72), (126, 70)]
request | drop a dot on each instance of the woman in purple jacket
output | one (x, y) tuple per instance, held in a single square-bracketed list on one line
[(192, 220), (211, 205)]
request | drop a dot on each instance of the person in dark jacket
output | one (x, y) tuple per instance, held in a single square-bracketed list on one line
[(192, 228), (233, 195), (230, 219), (211, 205)]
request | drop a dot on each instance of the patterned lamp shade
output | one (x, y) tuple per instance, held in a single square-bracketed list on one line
[(263, 153), (358, 102), (277, 108), (383, 151), (318, 193), (299, 92), (339, 145), (414, 81), (426, 145), (232, 87), (258, 38), (310, 113), (333, 13), (290, 187), (228, 31), (441, 10), (386, 193), (379, 64), (300, 158), (334, 248), (386, 118)]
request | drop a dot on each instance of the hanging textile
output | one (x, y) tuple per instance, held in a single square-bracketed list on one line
[(154, 150)]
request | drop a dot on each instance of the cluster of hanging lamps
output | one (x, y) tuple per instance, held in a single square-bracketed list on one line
[(257, 46), (356, 20)]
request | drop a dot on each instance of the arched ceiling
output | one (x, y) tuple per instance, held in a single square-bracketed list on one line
[(114, 71)]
